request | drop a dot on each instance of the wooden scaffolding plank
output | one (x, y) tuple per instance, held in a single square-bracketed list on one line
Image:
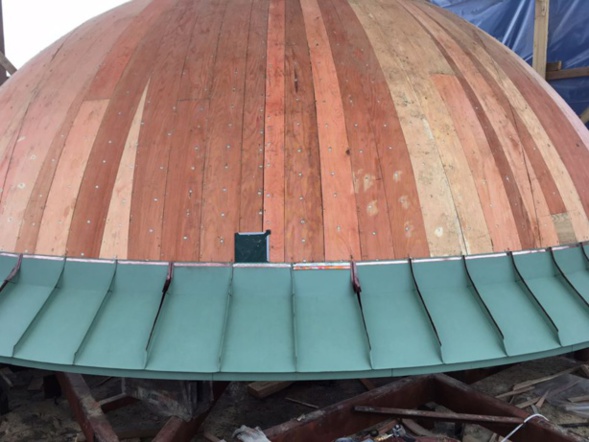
[(541, 19)]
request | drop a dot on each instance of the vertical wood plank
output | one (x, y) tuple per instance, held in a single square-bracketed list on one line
[(197, 73), (182, 210), (115, 239), (274, 166), (155, 138), (340, 217), (355, 80), (532, 176), (221, 187), (103, 164), (82, 51), (556, 182), (541, 19), (402, 199), (304, 239), (61, 199), (252, 162), (494, 201)]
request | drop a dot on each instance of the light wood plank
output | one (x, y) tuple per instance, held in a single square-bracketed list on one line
[(82, 51), (512, 138), (488, 181), (355, 79), (62, 196), (339, 203), (529, 118), (274, 131), (441, 219), (115, 239), (541, 19)]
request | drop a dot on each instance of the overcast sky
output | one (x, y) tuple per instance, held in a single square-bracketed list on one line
[(32, 25)]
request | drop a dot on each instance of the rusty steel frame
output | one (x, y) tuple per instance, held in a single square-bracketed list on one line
[(340, 419), (90, 414)]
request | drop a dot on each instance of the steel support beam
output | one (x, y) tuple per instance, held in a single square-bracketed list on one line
[(340, 419), (87, 411)]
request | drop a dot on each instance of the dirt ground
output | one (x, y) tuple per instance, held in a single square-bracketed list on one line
[(33, 417)]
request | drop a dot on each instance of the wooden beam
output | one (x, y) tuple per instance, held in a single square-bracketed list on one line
[(585, 116), (6, 64), (541, 36), (568, 73)]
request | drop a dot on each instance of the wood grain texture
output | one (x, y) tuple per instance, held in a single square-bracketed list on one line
[(155, 138), (303, 222), (340, 219), (365, 130), (115, 240), (274, 132), (62, 195), (221, 193)]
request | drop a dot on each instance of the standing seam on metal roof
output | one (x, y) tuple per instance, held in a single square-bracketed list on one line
[(231, 321)]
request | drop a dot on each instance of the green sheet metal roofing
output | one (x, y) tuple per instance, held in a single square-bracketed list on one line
[(301, 321)]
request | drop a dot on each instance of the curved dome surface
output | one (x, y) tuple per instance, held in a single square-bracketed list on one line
[(372, 130)]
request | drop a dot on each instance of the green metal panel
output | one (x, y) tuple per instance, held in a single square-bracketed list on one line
[(516, 315), (271, 322), (259, 335), (24, 297), (329, 330), (68, 313), (562, 304), (7, 263), (395, 318), (194, 307), (573, 263), (464, 328), (120, 332)]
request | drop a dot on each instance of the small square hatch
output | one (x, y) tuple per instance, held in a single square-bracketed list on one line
[(252, 246)]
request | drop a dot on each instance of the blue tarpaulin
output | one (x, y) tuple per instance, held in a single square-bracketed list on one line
[(512, 23)]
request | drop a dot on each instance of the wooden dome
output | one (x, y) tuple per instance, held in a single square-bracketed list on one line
[(371, 129)]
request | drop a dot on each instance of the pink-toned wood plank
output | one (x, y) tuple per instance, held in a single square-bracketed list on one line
[(442, 225), (197, 74), (103, 164), (402, 199), (541, 194), (302, 201), (62, 195), (155, 138), (115, 240), (274, 132), (146, 12), (528, 117), (183, 201), (355, 79), (488, 180), (252, 160), (221, 192), (81, 52), (340, 218)]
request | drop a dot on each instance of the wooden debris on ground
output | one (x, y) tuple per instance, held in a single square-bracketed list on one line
[(262, 389)]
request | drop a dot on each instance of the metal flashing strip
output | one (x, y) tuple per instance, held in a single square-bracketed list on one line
[(292, 321)]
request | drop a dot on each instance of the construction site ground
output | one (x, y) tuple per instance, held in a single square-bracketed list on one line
[(34, 417)]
